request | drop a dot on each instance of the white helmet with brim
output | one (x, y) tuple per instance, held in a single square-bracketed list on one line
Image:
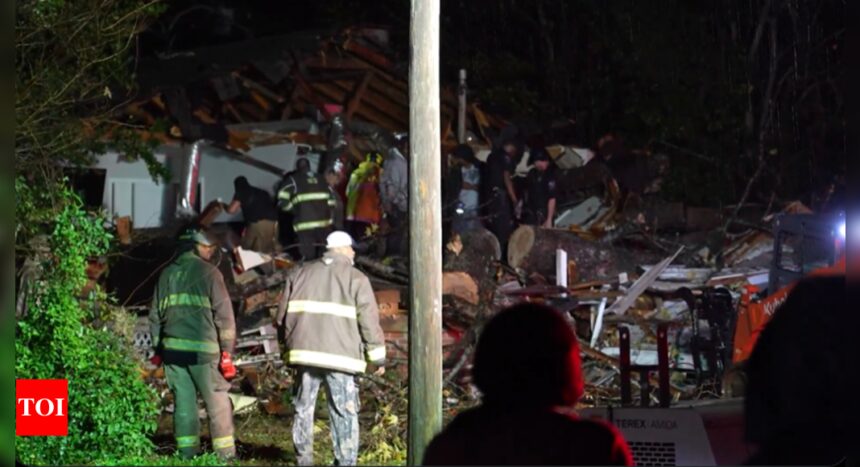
[(338, 239)]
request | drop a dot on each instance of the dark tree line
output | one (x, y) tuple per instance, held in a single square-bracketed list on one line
[(732, 90)]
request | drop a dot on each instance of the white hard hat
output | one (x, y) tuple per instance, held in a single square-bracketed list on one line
[(337, 239)]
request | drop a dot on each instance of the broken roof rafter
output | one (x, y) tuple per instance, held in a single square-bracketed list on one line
[(295, 80)]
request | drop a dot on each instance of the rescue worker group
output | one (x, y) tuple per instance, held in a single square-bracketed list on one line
[(327, 319)]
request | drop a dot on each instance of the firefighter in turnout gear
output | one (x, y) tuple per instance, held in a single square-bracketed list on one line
[(193, 334), (329, 320), (307, 197)]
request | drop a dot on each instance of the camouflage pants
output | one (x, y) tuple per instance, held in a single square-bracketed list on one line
[(342, 395)]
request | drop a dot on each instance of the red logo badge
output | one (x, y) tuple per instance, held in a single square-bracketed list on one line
[(41, 407)]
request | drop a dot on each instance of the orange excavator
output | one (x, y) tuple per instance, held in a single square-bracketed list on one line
[(711, 432), (805, 245)]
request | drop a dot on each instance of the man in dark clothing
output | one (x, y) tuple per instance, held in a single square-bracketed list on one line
[(310, 201), (261, 217), (528, 369), (394, 195), (465, 178), (333, 179), (498, 192), (800, 403), (286, 234), (540, 191)]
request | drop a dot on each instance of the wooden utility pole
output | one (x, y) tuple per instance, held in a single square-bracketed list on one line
[(461, 108), (425, 229)]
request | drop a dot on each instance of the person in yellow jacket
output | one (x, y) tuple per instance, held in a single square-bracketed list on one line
[(363, 205), (329, 321)]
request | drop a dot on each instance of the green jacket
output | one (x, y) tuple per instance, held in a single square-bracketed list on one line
[(191, 317)]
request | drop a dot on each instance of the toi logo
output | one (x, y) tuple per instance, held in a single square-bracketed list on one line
[(41, 407)]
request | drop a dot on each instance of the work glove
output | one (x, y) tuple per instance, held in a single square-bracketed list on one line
[(227, 367), (155, 360)]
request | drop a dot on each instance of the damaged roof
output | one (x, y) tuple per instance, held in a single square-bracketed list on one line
[(227, 93)]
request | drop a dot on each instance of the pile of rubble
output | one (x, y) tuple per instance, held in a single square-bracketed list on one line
[(608, 290), (623, 298), (620, 261)]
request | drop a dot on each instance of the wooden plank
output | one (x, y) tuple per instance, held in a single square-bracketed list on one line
[(394, 112), (210, 212), (355, 101), (255, 112), (425, 228), (204, 116), (253, 302), (292, 102), (368, 112), (261, 101), (383, 73), (369, 55), (123, 230), (238, 140), (336, 63), (308, 89), (396, 96), (228, 106), (255, 86)]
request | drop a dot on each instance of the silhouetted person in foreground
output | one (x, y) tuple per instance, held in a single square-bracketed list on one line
[(801, 403), (527, 367)]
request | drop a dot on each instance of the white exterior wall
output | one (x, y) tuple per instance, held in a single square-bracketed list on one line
[(130, 190)]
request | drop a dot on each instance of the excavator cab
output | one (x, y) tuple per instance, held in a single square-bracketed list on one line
[(804, 245)]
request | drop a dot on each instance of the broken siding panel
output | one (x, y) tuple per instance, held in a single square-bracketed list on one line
[(130, 190)]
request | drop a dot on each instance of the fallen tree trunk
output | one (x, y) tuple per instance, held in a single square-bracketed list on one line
[(533, 250), (382, 270), (475, 253), (460, 285), (470, 265)]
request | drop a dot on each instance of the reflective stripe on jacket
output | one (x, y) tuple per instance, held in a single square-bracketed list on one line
[(330, 318), (191, 309), (310, 200)]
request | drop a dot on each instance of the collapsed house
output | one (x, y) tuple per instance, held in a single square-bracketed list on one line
[(647, 284)]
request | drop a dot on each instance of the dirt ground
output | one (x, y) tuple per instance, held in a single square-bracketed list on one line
[(266, 439)]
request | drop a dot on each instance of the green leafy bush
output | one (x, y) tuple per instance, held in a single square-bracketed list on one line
[(384, 443), (207, 459), (111, 409)]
